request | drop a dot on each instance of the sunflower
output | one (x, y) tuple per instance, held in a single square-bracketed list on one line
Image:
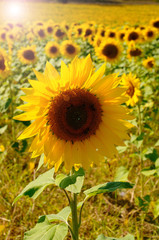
[(121, 35), (69, 49), (155, 23), (87, 31), (97, 41), (149, 63), (2, 35), (49, 26), (52, 49), (133, 35), (133, 50), (59, 33), (109, 50), (111, 33), (27, 55), (40, 32), (150, 33), (133, 88), (78, 116), (4, 64), (78, 31)]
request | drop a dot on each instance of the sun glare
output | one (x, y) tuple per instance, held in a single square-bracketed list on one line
[(14, 10)]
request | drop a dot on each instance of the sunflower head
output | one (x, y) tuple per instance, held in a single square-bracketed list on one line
[(27, 55), (132, 85), (52, 49), (111, 33), (133, 35), (133, 50), (49, 26), (40, 32), (4, 64), (150, 33), (69, 49), (109, 50), (88, 31), (155, 23), (78, 116), (149, 63), (59, 33)]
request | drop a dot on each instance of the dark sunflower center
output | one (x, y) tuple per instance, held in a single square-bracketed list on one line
[(156, 24), (2, 63), (70, 49), (111, 34), (150, 33), (50, 29), (150, 64), (131, 89), (136, 52), (29, 55), (53, 49), (133, 36), (88, 32), (79, 31), (74, 115), (122, 36), (110, 51), (103, 33), (59, 33), (41, 33)]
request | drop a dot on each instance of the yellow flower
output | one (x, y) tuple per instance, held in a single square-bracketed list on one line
[(69, 49), (150, 33), (2, 148), (3, 35), (88, 31), (132, 85), (109, 50), (149, 62), (49, 26), (155, 23), (133, 35), (40, 32), (111, 33), (78, 115), (59, 33), (4, 64), (52, 49), (133, 50), (27, 55), (121, 35)]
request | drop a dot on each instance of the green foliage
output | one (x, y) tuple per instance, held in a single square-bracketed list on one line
[(106, 187), (72, 183), (36, 187), (47, 231)]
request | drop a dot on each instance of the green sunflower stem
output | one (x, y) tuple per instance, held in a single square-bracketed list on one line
[(75, 224), (141, 175)]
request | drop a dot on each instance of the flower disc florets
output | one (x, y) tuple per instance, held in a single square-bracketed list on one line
[(74, 115)]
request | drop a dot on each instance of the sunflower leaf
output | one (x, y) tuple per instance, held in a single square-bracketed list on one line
[(46, 231), (34, 188), (127, 237), (61, 216), (71, 183), (107, 187)]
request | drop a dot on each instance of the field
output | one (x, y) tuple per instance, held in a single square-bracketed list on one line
[(126, 39)]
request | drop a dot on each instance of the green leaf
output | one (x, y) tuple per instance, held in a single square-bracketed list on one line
[(8, 102), (61, 216), (2, 129), (140, 137), (152, 156), (34, 188), (71, 183), (47, 231), (127, 237), (121, 174), (156, 209), (107, 187), (148, 172)]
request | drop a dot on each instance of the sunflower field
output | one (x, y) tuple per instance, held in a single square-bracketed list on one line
[(79, 121)]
